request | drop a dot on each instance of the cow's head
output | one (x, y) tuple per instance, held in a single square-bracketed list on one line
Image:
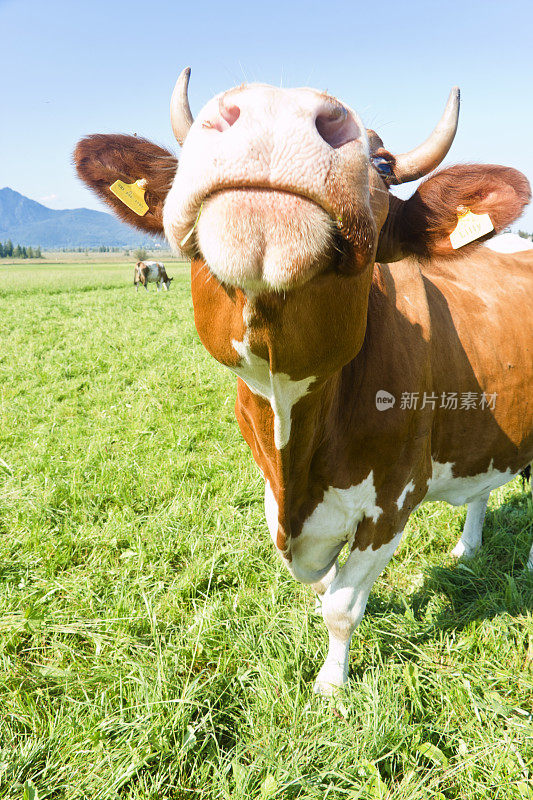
[(281, 198)]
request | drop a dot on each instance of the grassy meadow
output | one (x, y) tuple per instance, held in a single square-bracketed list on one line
[(153, 646)]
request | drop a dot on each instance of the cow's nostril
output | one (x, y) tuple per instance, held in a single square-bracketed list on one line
[(229, 112), (336, 126)]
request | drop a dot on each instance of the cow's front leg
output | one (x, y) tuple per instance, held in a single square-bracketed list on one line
[(472, 534), (343, 606), (322, 585)]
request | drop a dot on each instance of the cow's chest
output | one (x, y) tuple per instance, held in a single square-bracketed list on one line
[(331, 525)]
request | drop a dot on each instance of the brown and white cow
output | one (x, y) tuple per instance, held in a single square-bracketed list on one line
[(146, 272), (377, 367)]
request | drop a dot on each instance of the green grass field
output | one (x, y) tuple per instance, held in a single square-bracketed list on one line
[(152, 645)]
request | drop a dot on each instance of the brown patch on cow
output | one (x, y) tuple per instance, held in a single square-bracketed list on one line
[(102, 159), (218, 313), (422, 224), (139, 274), (481, 338)]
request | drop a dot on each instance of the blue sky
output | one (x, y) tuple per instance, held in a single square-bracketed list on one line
[(72, 68)]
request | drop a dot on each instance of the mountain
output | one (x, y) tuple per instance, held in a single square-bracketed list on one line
[(27, 222)]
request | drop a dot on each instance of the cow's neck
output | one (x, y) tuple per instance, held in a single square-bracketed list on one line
[(290, 353)]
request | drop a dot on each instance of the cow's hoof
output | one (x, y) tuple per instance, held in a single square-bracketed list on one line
[(462, 550), (329, 683), (324, 689)]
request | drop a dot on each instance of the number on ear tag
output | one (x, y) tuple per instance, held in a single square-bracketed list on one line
[(132, 195), (470, 227)]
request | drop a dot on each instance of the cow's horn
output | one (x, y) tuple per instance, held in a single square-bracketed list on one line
[(180, 112), (428, 155)]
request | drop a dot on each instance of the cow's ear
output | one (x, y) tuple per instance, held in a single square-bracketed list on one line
[(102, 159), (422, 224)]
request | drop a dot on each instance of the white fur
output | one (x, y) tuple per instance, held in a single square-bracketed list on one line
[(278, 388), (321, 585), (332, 524), (153, 270), (474, 491), (458, 491), (407, 490), (343, 593), (343, 606), (472, 534)]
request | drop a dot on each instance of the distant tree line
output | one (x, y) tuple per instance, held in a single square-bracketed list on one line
[(7, 250), (101, 249), (525, 235)]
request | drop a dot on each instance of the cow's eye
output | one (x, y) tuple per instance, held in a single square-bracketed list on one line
[(382, 165)]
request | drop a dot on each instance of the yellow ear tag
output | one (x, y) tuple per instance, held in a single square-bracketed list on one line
[(132, 195), (470, 227)]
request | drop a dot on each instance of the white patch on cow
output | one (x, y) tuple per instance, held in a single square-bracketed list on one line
[(331, 525), (407, 490), (278, 388), (153, 270), (444, 486), (472, 534), (271, 512), (508, 243), (343, 606)]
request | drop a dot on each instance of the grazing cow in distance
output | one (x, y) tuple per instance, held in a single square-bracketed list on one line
[(378, 367), (146, 272)]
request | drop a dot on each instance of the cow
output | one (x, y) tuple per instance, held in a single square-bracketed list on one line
[(378, 366), (146, 272)]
